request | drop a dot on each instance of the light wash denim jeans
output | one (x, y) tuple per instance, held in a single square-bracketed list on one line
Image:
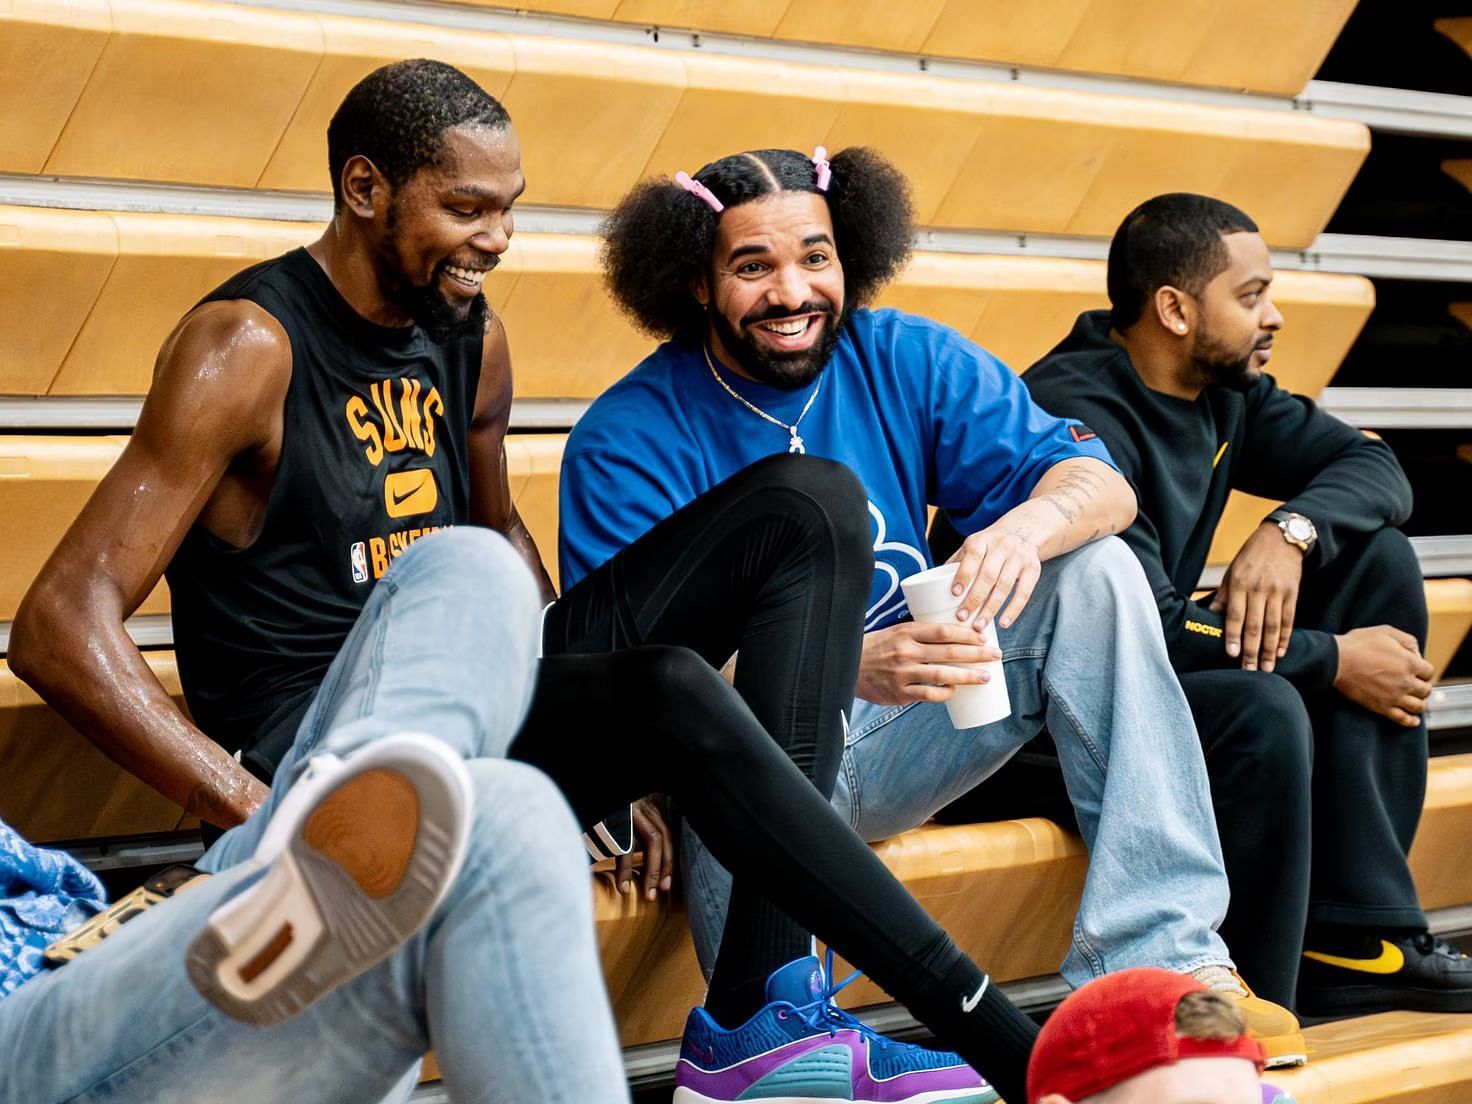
[(503, 982), (1087, 659)]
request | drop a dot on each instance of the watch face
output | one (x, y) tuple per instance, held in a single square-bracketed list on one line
[(1300, 528)]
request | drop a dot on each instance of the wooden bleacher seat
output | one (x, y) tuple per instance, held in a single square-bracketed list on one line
[(46, 481), (982, 154), (47, 54), (114, 284), (1260, 46), (1459, 30), (1443, 877), (59, 787), (1392, 1058), (1460, 170)]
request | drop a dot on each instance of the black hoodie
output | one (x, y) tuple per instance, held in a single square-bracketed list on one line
[(1183, 457)]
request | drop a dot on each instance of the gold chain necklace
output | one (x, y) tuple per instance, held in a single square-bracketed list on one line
[(795, 445)]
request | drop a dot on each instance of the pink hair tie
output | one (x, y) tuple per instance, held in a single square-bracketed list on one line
[(823, 168), (699, 191)]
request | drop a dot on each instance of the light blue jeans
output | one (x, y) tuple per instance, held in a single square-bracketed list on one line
[(1087, 659), (504, 981)]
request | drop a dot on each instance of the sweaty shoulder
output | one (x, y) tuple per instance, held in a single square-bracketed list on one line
[(227, 364)]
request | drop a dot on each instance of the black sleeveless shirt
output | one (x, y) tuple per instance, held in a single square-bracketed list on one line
[(374, 455)]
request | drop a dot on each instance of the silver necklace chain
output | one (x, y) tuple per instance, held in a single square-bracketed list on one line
[(796, 443)]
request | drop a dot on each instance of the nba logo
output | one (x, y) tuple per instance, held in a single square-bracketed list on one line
[(358, 554)]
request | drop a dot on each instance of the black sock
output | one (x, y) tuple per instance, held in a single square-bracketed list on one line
[(994, 1036), (759, 939)]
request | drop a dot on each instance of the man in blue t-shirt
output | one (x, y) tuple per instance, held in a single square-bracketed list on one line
[(756, 271)]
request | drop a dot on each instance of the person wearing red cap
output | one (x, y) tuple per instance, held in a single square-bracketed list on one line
[(1147, 1036)]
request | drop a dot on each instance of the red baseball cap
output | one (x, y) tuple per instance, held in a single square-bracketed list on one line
[(1118, 1027)]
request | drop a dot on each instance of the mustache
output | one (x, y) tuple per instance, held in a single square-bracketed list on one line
[(487, 263), (769, 314)]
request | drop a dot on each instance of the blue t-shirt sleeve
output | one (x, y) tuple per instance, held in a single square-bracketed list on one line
[(992, 443), (606, 503)]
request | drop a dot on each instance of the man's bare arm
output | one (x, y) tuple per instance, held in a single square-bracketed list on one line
[(217, 392), (490, 489)]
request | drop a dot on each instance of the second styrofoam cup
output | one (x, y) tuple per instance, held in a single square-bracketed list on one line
[(930, 599)]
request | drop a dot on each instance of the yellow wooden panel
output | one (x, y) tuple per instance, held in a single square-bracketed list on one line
[(1459, 170), (567, 338), (950, 288), (166, 264), (1142, 38), (1024, 32), (1033, 160), (58, 786), (1034, 305), (1051, 161), (1322, 316), (875, 24), (1392, 1058), (353, 48), (733, 104), (1449, 601), (1310, 169), (1458, 30), (587, 9), (1275, 46), (47, 51), (1243, 514), (189, 91), (924, 127), (749, 17), (589, 115), (46, 481), (1443, 877), (52, 267), (534, 464)]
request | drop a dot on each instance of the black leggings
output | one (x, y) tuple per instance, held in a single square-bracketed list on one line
[(775, 562)]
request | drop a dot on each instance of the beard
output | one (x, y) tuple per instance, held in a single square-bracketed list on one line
[(788, 371), (441, 319), (1226, 367)]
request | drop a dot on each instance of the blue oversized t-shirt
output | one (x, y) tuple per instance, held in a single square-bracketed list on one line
[(922, 415)]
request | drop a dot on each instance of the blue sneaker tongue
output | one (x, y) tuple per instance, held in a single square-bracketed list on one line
[(799, 982)]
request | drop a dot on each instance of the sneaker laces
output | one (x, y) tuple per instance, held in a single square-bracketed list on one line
[(1428, 944), (821, 1014)]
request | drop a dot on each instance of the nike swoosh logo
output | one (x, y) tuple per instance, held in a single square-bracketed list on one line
[(1390, 960), (969, 1003), (409, 493)]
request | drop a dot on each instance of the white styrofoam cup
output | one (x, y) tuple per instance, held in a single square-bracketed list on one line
[(930, 599)]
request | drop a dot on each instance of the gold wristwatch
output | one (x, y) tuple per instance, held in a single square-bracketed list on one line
[(1297, 530)]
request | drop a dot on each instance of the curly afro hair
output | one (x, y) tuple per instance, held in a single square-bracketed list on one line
[(397, 116), (658, 240)]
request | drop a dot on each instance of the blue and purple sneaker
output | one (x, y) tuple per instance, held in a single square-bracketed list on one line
[(1271, 1094), (802, 1047)]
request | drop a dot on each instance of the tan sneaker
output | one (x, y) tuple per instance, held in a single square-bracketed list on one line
[(1270, 1024)]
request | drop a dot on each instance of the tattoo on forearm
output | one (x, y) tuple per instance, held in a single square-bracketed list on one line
[(1073, 493)]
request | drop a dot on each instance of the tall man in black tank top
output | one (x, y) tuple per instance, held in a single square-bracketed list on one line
[(315, 421)]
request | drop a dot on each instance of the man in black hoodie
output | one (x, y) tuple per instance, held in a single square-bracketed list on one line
[(1304, 668)]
